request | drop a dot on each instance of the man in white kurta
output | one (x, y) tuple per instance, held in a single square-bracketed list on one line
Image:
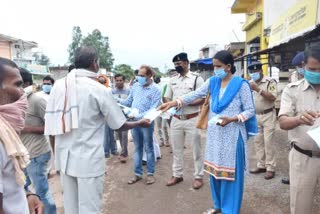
[(79, 132)]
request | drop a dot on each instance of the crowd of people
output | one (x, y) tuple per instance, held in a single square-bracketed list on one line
[(78, 119)]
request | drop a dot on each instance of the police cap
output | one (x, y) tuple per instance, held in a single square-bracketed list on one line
[(255, 66), (180, 57)]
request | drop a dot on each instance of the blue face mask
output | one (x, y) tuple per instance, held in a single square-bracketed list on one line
[(221, 73), (46, 88), (142, 80), (312, 77), (255, 76), (301, 71)]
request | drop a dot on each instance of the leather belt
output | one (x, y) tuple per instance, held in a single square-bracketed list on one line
[(309, 153), (186, 116), (267, 111)]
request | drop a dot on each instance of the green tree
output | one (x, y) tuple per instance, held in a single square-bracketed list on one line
[(101, 43), (157, 71), (76, 42), (125, 70), (41, 59), (96, 40)]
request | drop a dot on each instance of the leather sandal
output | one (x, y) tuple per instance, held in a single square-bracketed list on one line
[(174, 180), (197, 183), (134, 180), (258, 171)]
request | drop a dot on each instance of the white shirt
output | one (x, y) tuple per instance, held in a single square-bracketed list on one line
[(14, 196), (80, 153)]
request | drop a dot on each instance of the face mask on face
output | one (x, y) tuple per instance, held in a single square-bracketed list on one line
[(179, 69), (312, 77), (221, 73), (142, 80), (301, 71), (255, 76), (46, 88)]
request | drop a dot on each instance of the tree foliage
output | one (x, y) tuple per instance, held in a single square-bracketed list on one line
[(96, 40), (125, 70), (41, 59)]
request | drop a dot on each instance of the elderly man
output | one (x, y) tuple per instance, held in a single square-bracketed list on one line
[(77, 111), (13, 155), (299, 113)]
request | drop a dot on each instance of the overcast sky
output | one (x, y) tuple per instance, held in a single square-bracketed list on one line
[(140, 31)]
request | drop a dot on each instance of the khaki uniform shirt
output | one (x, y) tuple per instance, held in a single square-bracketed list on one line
[(261, 103), (181, 85), (296, 98)]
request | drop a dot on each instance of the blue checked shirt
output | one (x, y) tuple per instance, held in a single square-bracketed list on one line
[(143, 98)]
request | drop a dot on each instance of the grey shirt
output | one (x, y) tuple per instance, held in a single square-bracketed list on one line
[(14, 196), (36, 144)]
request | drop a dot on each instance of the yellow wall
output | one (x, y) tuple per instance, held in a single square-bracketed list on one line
[(257, 30)]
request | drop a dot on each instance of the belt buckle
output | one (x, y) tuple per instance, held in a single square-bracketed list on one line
[(183, 117)]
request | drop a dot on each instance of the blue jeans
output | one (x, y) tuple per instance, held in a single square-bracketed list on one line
[(142, 138), (37, 171), (110, 145)]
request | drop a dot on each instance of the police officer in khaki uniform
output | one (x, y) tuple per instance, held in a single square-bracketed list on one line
[(300, 112), (183, 124), (264, 93)]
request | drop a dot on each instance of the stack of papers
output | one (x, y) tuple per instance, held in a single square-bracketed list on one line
[(315, 134), (152, 114)]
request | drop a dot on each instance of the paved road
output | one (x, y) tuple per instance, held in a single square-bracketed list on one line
[(260, 197)]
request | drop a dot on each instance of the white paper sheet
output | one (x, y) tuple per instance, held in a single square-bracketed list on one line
[(152, 114), (315, 134)]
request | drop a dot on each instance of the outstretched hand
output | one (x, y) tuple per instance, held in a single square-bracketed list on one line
[(144, 123), (166, 106)]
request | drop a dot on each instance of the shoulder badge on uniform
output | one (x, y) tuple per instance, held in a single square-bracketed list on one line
[(295, 84)]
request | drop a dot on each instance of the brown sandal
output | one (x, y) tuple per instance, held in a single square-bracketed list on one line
[(134, 180)]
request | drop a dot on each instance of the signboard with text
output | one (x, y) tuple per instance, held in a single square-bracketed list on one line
[(299, 19)]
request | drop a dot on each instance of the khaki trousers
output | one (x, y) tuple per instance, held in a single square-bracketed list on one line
[(304, 177), (182, 131), (264, 145)]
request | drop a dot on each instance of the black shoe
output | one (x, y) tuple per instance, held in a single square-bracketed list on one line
[(285, 181)]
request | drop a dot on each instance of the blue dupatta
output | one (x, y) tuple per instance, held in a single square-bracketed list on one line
[(217, 106)]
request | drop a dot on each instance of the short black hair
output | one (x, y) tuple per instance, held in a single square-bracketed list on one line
[(136, 72), (226, 58), (120, 75), (312, 51), (84, 57), (5, 62), (26, 75), (71, 67), (48, 77)]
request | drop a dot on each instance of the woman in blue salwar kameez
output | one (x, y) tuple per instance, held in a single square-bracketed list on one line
[(231, 121)]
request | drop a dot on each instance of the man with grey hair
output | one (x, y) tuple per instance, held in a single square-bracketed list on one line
[(78, 108)]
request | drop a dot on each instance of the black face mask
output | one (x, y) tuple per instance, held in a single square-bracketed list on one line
[(179, 69)]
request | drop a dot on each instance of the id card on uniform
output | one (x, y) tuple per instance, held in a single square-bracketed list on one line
[(315, 134)]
